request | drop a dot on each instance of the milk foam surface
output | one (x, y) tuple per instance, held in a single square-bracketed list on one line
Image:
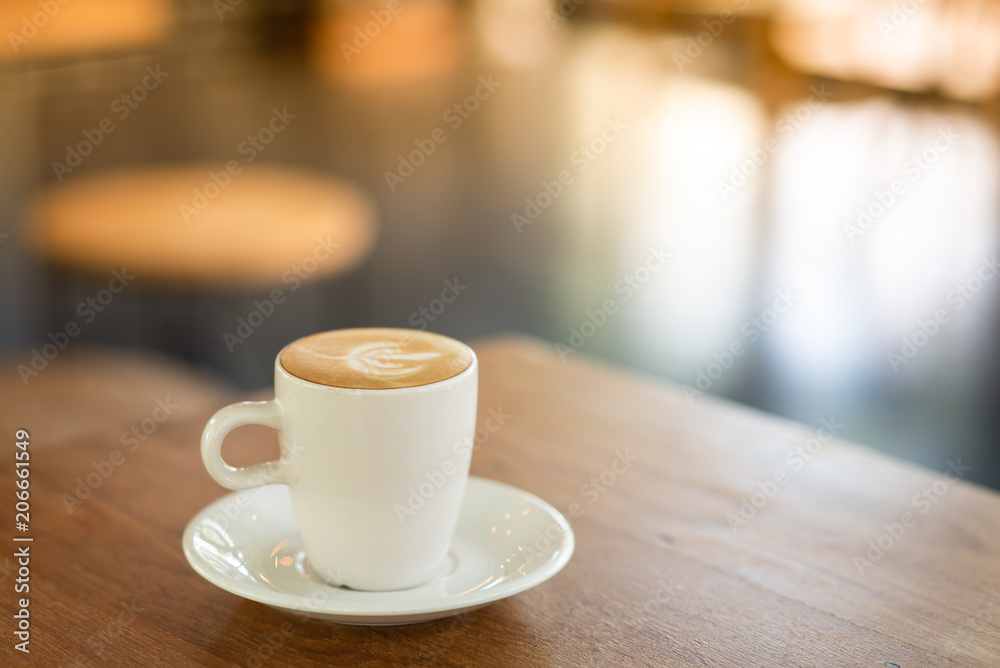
[(375, 358)]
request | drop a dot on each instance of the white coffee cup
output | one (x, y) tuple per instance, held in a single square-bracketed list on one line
[(376, 476)]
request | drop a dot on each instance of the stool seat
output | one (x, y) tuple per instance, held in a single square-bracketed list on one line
[(203, 225), (62, 28)]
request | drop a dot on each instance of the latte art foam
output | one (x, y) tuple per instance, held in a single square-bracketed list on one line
[(375, 359)]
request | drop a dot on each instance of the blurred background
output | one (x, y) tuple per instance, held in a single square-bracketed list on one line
[(792, 204)]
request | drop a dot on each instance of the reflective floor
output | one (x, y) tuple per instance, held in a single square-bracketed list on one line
[(817, 249)]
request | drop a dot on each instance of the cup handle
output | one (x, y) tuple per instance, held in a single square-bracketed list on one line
[(267, 413)]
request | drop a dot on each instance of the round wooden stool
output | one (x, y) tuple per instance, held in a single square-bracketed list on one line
[(204, 226), (62, 28), (198, 257)]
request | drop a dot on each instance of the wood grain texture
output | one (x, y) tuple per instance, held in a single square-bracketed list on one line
[(88, 388), (659, 577)]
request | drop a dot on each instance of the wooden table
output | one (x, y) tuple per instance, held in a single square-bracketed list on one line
[(659, 577)]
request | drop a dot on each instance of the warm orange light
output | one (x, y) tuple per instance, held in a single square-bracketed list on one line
[(951, 46), (81, 26), (393, 43)]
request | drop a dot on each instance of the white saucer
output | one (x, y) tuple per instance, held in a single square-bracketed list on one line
[(506, 541)]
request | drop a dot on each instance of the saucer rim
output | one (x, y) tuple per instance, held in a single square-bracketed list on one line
[(458, 603)]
